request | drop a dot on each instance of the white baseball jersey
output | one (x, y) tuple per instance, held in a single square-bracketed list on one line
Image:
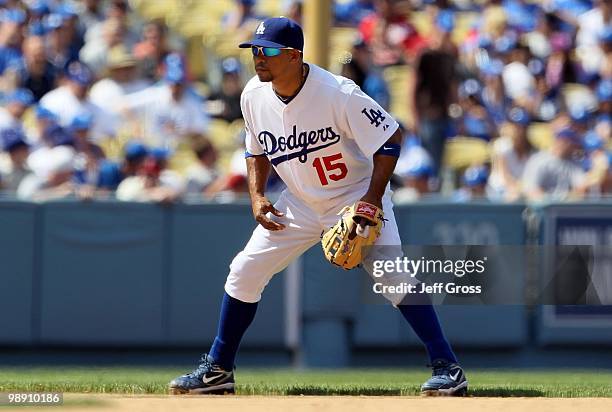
[(321, 143)]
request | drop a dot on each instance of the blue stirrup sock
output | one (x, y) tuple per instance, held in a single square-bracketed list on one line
[(425, 323), (235, 318)]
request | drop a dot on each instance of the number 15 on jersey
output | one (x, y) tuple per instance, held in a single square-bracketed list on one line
[(330, 167)]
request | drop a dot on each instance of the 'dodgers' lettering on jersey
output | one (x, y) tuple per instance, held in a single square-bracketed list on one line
[(296, 145)]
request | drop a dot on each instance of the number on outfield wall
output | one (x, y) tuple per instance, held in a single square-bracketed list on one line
[(326, 164)]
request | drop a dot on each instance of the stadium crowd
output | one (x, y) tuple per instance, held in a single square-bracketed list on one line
[(97, 102)]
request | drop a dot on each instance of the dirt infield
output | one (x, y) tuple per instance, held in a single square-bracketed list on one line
[(140, 403)]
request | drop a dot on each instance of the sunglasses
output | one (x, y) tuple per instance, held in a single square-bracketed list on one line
[(268, 51)]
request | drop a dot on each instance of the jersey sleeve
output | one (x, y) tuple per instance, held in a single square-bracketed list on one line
[(253, 147), (368, 123)]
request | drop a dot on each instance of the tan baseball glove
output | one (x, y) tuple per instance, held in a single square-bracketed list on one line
[(359, 226)]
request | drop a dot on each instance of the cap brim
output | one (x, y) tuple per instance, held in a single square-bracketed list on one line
[(262, 43)]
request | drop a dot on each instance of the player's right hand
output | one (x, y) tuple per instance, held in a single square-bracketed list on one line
[(261, 207)]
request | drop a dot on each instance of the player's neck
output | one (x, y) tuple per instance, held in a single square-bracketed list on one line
[(289, 85)]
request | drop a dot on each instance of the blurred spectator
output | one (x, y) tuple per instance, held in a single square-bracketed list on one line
[(242, 21), (390, 35), (119, 11), (44, 119), (443, 26), (433, 91), (121, 80), (147, 185), (539, 40), (553, 173), (60, 51), (604, 100), (16, 104), (597, 164), (510, 155), (474, 120), (38, 74), (294, 10), (519, 82), (225, 103), (88, 157), (71, 99), (204, 172), (71, 26), (111, 173), (546, 104), (90, 13), (151, 51), (522, 15), (593, 28), (493, 94), (13, 167), (171, 110), (351, 12), (52, 170), (80, 130), (167, 177), (95, 53), (415, 168), (474, 184), (606, 186), (12, 23), (359, 68)]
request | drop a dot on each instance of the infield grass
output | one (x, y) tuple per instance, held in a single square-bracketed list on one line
[(505, 383)]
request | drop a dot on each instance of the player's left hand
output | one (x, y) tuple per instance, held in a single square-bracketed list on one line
[(372, 199)]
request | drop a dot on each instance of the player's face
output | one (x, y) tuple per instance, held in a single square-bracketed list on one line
[(271, 68)]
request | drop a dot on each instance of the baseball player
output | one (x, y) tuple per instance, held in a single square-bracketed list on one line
[(333, 146)]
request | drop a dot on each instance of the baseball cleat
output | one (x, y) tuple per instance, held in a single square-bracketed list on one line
[(447, 379), (206, 379)]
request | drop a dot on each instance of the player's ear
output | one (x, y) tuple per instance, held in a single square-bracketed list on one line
[(294, 56)]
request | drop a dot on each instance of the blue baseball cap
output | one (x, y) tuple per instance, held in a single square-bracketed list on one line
[(536, 67), (505, 44), (12, 138), (160, 153), (277, 32), (470, 87), (22, 96), (592, 141), (58, 136), (175, 69), (604, 90), (475, 175), (39, 7), (175, 75), (418, 170), (492, 67), (13, 16), (135, 150), (67, 11), (53, 21), (231, 65), (606, 35), (82, 121), (44, 113), (79, 73), (519, 116), (567, 133), (174, 60), (445, 21), (37, 28), (579, 114)]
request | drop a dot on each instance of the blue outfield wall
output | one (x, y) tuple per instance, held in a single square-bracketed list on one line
[(110, 274)]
